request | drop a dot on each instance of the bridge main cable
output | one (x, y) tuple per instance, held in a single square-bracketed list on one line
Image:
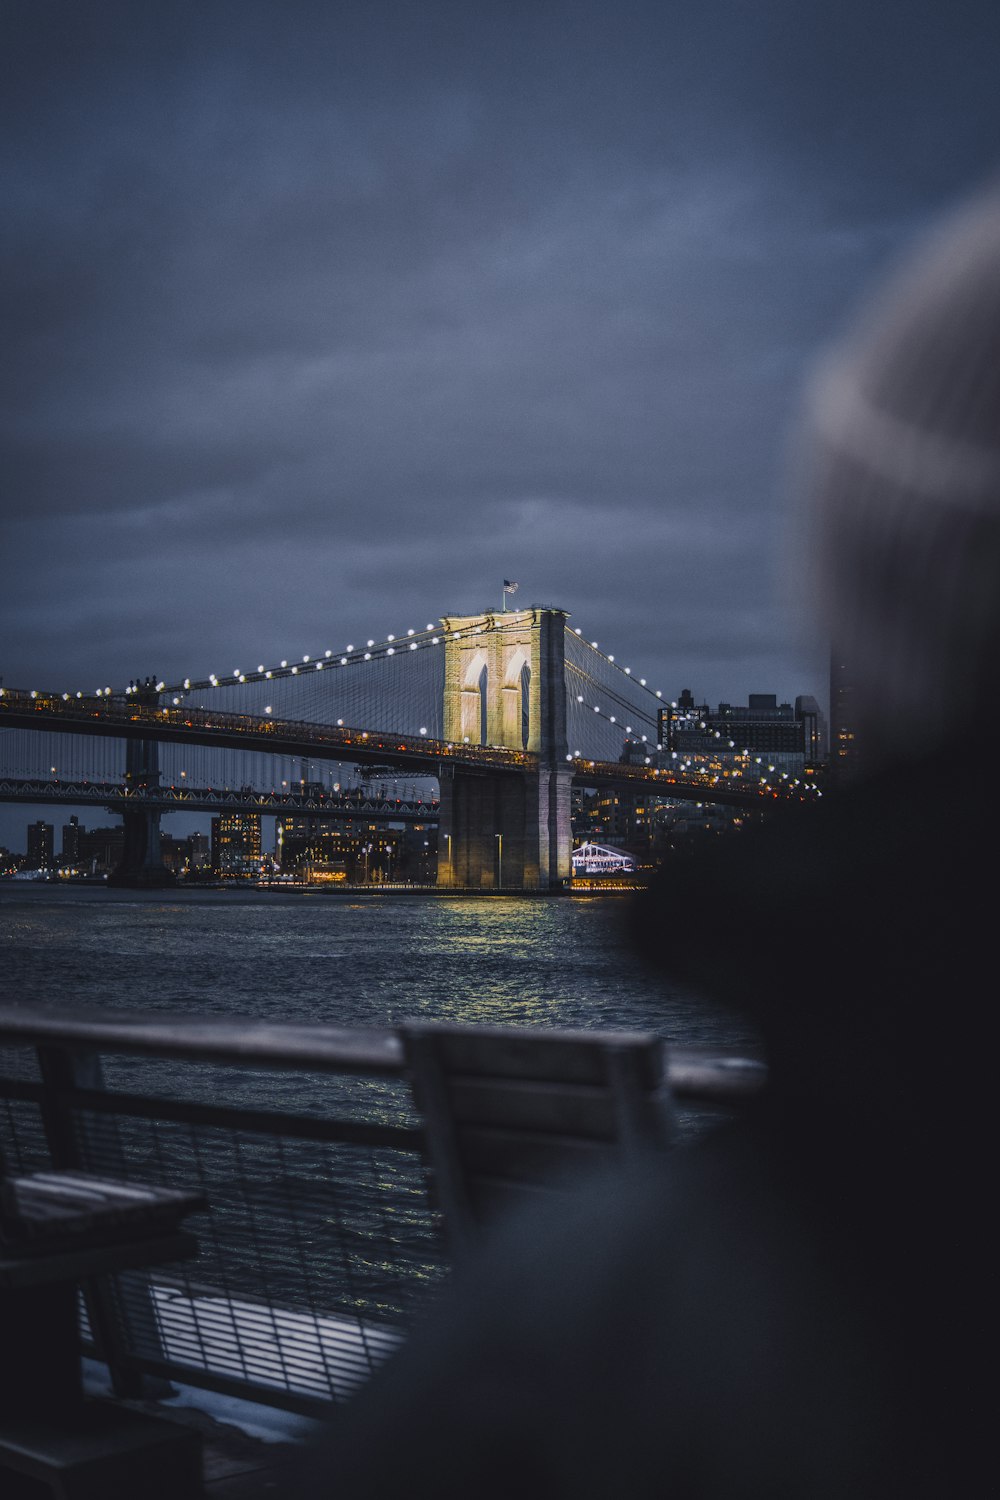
[(373, 650)]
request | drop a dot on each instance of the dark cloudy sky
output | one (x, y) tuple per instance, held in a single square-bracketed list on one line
[(323, 319)]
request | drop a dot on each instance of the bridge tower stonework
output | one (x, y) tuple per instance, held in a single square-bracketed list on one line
[(505, 684)]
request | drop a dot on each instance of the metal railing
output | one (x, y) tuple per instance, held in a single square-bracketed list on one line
[(322, 1242)]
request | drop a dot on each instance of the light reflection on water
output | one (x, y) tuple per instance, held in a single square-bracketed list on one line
[(374, 961)]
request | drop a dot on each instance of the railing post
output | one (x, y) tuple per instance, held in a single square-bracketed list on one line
[(120, 1308)]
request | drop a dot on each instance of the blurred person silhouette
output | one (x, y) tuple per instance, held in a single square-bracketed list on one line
[(794, 1306)]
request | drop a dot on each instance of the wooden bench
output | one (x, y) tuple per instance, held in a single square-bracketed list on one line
[(513, 1112), (58, 1228)]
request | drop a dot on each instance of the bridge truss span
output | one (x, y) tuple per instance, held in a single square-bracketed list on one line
[(118, 797), (127, 718)]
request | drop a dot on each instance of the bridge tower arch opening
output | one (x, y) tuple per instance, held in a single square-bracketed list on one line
[(504, 685), (516, 694), (484, 699), (475, 697)]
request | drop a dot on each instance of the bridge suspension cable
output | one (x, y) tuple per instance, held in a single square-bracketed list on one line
[(608, 706), (393, 685)]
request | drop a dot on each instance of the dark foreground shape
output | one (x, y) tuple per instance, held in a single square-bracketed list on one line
[(57, 1229)]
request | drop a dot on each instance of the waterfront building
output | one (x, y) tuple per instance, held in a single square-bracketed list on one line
[(356, 851), (417, 860), (607, 815), (679, 822), (70, 853), (101, 849), (173, 852), (41, 845), (198, 852), (301, 841), (236, 845)]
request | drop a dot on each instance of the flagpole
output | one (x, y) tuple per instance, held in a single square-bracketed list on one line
[(503, 599)]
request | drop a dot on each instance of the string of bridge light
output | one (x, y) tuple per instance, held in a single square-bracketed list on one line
[(785, 781), (376, 650), (657, 694), (682, 766), (577, 632), (412, 640), (689, 765), (373, 650), (606, 693), (627, 729), (612, 718)]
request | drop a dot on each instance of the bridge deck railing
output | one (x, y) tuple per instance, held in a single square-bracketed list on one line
[(119, 716), (323, 1240)]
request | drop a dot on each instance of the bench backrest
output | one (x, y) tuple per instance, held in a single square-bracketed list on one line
[(511, 1112)]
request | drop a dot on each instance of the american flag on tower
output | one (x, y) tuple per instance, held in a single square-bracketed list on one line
[(508, 587)]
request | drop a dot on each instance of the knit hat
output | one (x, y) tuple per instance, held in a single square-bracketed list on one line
[(903, 481)]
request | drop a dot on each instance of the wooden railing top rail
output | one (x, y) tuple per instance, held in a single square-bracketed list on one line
[(224, 1039), (691, 1073)]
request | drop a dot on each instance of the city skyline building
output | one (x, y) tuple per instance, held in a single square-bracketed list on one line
[(762, 725), (101, 850), (236, 844), (199, 852), (41, 846), (70, 851), (755, 740), (844, 747)]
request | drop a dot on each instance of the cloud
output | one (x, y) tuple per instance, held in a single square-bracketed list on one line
[(317, 315)]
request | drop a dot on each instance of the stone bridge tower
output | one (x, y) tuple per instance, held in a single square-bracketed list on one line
[(505, 684)]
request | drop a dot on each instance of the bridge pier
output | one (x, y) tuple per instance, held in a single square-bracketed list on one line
[(499, 830), (141, 866)]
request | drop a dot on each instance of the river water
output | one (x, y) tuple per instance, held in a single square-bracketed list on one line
[(347, 959), (371, 960)]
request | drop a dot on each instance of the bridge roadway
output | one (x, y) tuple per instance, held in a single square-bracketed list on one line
[(117, 797), (125, 718)]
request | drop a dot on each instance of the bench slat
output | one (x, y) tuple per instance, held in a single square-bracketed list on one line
[(557, 1056), (48, 1211), (531, 1104)]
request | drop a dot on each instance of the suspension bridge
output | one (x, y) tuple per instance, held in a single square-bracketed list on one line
[(503, 710)]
